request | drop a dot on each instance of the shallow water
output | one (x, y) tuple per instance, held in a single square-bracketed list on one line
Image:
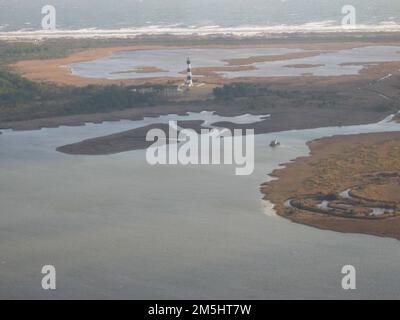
[(173, 62), (115, 227)]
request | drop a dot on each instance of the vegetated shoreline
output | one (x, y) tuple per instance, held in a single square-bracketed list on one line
[(302, 177), (55, 70), (284, 111), (136, 139), (129, 140), (286, 118)]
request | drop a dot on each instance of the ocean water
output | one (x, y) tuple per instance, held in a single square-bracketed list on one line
[(192, 16), (115, 227)]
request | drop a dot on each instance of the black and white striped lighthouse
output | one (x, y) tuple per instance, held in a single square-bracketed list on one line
[(189, 76)]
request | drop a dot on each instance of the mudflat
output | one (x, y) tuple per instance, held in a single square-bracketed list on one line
[(56, 70)]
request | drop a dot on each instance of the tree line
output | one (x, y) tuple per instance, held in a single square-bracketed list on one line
[(22, 99)]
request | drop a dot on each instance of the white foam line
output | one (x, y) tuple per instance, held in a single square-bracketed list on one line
[(385, 77), (384, 97), (244, 31), (389, 118), (269, 208)]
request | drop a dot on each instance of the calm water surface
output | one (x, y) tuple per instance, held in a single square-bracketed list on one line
[(116, 227), (173, 62)]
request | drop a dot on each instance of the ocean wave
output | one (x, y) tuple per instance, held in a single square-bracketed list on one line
[(328, 26)]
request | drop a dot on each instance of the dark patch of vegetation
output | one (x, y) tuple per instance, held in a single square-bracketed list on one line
[(236, 90), (59, 48), (385, 107), (241, 90), (257, 96), (21, 99), (332, 197), (17, 51), (260, 96)]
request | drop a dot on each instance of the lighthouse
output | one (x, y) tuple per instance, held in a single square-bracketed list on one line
[(189, 76)]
